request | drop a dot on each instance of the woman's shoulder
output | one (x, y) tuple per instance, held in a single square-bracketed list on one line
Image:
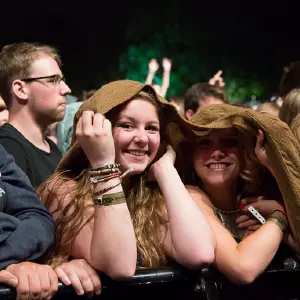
[(193, 188), (199, 196)]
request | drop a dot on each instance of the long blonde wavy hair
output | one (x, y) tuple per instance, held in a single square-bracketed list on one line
[(145, 203)]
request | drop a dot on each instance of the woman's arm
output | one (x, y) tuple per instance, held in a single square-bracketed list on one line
[(167, 64), (189, 238), (110, 249), (108, 242), (242, 263)]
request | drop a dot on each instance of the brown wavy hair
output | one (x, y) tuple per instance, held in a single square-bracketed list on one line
[(145, 203), (251, 174)]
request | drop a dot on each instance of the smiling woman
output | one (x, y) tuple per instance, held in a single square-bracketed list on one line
[(116, 197), (229, 166)]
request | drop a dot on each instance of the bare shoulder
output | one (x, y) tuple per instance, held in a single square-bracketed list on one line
[(193, 189), (200, 198)]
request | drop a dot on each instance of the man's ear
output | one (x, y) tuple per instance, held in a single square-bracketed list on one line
[(20, 89), (188, 114)]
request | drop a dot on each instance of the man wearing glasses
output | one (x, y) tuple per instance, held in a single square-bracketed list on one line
[(34, 90)]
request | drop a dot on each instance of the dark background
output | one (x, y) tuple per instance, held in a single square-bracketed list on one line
[(253, 40)]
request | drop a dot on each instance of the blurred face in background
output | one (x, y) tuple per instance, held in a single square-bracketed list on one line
[(3, 112)]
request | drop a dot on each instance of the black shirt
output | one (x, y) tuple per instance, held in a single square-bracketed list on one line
[(36, 163)]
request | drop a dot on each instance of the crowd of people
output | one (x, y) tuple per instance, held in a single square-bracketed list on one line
[(122, 178)]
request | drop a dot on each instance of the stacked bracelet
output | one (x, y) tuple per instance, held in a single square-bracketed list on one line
[(103, 191), (103, 174), (106, 167)]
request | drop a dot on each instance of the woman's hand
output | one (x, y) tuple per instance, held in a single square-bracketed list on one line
[(167, 64), (260, 151), (167, 159), (153, 66), (94, 135), (83, 278), (217, 80), (264, 206), (248, 222)]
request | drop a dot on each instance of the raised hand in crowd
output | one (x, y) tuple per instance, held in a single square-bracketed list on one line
[(153, 66), (217, 80), (167, 64), (31, 280), (83, 278)]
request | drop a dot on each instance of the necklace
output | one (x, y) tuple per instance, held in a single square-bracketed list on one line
[(228, 219)]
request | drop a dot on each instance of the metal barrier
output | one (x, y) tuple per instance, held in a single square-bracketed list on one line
[(176, 281)]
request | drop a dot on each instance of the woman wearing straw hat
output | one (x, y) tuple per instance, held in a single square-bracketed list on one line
[(228, 160), (116, 192)]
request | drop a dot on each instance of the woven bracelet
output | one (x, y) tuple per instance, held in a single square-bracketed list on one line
[(282, 224), (110, 199)]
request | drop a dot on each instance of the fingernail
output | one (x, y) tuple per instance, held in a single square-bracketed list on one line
[(80, 292), (98, 292)]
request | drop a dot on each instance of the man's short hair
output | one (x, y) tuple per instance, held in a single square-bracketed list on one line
[(197, 92), (15, 62)]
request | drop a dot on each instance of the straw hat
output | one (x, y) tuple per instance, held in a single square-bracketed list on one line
[(110, 96), (282, 148)]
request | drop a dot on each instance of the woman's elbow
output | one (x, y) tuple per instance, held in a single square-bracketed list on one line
[(242, 279), (244, 276), (199, 260), (116, 270), (121, 274)]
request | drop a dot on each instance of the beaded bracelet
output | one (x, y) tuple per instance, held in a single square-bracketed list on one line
[(97, 179), (105, 172), (105, 167), (102, 191)]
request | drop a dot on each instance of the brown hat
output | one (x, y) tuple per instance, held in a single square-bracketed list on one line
[(110, 96), (281, 146)]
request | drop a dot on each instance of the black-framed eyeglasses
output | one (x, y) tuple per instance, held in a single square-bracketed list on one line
[(55, 79)]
